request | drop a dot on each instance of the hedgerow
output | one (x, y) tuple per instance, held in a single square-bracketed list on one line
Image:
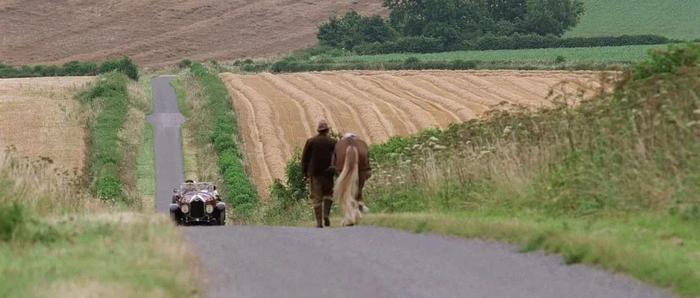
[(534, 41), (237, 188), (74, 68), (109, 96)]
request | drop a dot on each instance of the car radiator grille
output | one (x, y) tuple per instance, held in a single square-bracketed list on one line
[(197, 209)]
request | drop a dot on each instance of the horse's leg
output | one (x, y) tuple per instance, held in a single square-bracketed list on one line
[(363, 176)]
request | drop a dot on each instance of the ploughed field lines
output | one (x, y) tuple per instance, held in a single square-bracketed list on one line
[(276, 113)]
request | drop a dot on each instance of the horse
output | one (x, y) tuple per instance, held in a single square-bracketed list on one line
[(351, 160)]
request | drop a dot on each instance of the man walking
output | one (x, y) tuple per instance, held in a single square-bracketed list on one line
[(316, 162)]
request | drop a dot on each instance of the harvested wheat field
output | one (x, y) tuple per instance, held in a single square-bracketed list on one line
[(40, 118), (276, 113)]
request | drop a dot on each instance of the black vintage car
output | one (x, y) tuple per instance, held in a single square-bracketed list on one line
[(197, 203)]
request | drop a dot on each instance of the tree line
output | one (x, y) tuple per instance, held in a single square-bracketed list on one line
[(444, 25), (73, 68)]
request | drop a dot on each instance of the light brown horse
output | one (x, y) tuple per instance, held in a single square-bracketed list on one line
[(351, 160)]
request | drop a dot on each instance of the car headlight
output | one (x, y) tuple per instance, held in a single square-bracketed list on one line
[(210, 208), (185, 208)]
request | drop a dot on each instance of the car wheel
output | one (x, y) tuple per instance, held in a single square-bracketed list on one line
[(221, 220), (175, 218)]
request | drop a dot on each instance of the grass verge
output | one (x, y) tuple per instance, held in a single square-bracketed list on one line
[(109, 97), (57, 240), (659, 250), (129, 254), (222, 134), (200, 160), (145, 169)]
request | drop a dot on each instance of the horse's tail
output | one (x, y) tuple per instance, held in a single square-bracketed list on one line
[(347, 186)]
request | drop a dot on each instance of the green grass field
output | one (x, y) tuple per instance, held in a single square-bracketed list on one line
[(679, 19), (601, 54)]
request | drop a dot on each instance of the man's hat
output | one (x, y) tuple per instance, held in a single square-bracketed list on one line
[(322, 126)]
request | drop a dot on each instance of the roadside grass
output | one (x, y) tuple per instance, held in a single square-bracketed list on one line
[(145, 159), (109, 98), (220, 133), (133, 137), (659, 250), (671, 18), (121, 255), (57, 240), (180, 91), (145, 170), (199, 156)]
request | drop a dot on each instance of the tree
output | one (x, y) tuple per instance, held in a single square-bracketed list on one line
[(352, 30), (331, 33), (506, 10), (551, 16)]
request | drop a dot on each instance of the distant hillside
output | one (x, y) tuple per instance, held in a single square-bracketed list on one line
[(160, 32), (671, 18)]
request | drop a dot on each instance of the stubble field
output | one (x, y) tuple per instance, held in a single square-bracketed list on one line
[(276, 113), (40, 118)]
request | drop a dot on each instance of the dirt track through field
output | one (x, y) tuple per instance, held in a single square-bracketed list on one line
[(276, 113)]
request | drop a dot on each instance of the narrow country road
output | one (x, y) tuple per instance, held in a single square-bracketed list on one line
[(253, 261)]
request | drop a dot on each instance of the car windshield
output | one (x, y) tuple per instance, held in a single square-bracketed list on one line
[(199, 186)]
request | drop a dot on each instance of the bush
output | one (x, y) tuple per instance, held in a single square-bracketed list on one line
[(295, 188), (12, 218), (412, 44), (123, 65), (185, 63), (668, 61)]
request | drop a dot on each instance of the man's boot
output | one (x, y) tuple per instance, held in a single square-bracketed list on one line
[(327, 204), (318, 213)]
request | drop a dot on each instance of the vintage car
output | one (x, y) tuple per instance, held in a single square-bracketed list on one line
[(197, 203)]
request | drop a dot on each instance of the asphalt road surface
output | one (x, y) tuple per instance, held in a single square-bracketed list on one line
[(254, 261)]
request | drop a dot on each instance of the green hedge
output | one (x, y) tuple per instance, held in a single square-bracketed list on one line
[(73, 68), (421, 44), (412, 44), (413, 63), (110, 97), (238, 189), (534, 41)]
